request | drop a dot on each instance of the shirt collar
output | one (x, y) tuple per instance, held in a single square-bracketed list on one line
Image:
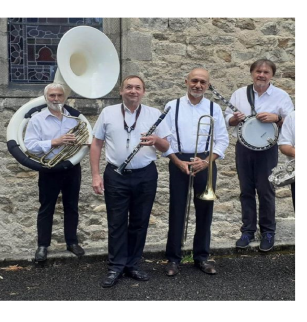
[(48, 113), (127, 109), (188, 100), (268, 91)]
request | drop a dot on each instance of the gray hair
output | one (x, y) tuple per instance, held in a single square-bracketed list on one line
[(53, 86)]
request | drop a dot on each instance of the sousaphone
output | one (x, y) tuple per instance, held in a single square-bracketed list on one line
[(88, 64)]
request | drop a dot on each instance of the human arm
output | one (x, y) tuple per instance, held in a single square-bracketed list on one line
[(266, 117), (199, 164), (182, 165), (236, 118), (43, 133), (95, 154), (288, 150), (220, 142), (286, 140), (63, 139), (33, 140), (284, 107), (232, 115)]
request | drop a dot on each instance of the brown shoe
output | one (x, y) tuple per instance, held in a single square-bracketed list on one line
[(205, 267), (172, 269)]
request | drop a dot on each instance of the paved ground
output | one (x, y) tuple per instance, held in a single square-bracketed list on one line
[(243, 276)]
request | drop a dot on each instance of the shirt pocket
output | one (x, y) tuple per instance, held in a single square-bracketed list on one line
[(68, 126), (145, 127)]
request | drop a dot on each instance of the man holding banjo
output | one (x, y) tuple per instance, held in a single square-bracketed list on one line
[(130, 178), (262, 107)]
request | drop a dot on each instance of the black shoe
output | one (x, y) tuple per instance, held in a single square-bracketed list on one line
[(76, 249), (41, 254), (244, 241), (205, 267), (137, 275), (267, 242), (172, 269), (111, 279)]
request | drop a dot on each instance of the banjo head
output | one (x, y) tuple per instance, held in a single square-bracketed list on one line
[(256, 135)]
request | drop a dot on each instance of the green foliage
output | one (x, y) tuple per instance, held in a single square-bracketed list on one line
[(187, 258)]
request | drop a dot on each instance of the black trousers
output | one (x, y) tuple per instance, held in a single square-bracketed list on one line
[(129, 199), (50, 185), (179, 184), (254, 168)]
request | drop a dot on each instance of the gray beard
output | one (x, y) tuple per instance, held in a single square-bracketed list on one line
[(55, 107), (197, 95)]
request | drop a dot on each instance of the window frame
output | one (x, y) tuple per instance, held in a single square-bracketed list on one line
[(111, 28)]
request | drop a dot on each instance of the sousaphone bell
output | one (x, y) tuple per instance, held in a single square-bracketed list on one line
[(88, 64)]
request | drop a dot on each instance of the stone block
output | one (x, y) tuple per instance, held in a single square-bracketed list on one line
[(137, 47)]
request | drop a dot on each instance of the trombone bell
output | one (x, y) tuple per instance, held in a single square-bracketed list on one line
[(207, 195)]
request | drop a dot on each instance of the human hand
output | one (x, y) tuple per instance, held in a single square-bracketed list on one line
[(265, 117), (236, 118), (184, 166), (97, 185), (149, 140), (199, 165), (239, 117), (66, 139)]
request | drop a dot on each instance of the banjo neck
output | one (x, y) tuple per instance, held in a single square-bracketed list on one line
[(215, 92)]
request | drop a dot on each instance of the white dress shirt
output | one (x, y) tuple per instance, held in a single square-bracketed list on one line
[(188, 118), (287, 133), (44, 127), (110, 128), (274, 100)]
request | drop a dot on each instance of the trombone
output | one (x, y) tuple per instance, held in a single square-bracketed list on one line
[(208, 194)]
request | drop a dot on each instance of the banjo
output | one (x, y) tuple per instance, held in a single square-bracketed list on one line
[(252, 133)]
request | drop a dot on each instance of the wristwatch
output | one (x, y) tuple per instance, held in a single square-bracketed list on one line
[(279, 119)]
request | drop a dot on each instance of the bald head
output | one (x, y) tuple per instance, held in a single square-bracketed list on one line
[(197, 83), (198, 71)]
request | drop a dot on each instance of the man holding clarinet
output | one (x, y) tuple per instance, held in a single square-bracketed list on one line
[(130, 177)]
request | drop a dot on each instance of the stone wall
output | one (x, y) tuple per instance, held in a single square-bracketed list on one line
[(162, 51)]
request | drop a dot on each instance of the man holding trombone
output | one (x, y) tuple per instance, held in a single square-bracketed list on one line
[(188, 168), (129, 184)]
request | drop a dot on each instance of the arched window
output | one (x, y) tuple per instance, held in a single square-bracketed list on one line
[(33, 45)]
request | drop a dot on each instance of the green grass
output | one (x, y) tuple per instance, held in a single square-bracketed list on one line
[(187, 258)]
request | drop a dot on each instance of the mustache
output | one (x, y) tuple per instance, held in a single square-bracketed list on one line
[(55, 106)]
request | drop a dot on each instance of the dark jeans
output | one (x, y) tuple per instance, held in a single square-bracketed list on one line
[(129, 199), (254, 168), (50, 185), (179, 184)]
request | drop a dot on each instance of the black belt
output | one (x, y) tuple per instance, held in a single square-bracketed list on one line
[(127, 171), (188, 156), (192, 154)]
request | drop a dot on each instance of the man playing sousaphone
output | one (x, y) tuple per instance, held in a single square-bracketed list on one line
[(48, 130), (271, 105)]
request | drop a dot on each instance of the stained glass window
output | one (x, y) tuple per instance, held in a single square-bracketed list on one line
[(33, 45)]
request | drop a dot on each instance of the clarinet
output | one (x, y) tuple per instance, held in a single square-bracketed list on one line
[(122, 167)]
